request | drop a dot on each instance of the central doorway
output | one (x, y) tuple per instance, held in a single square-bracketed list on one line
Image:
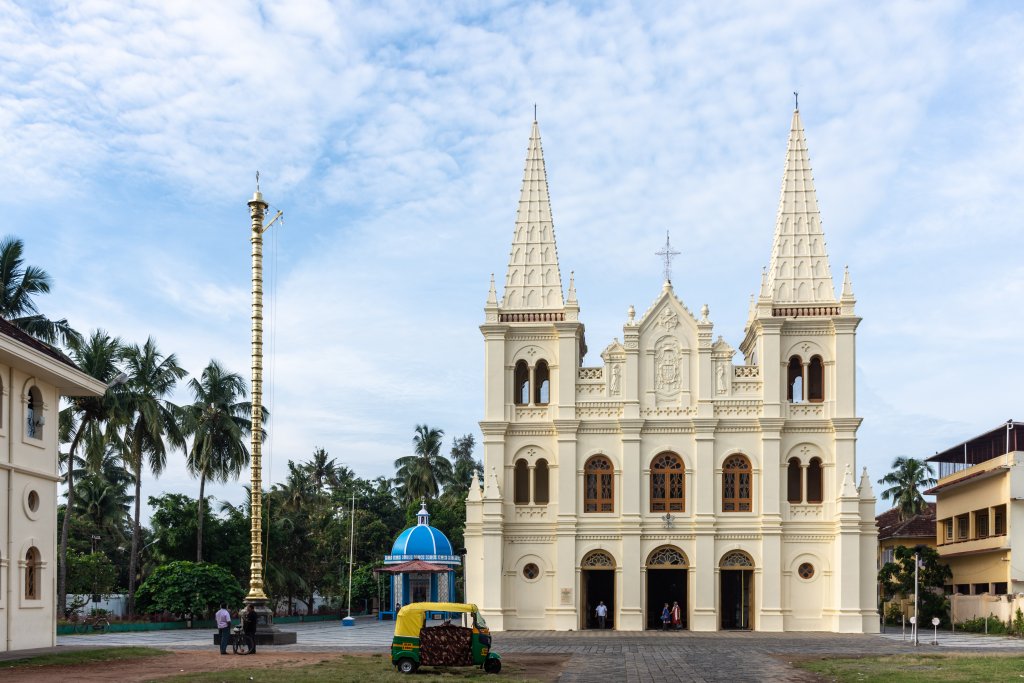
[(667, 582), (597, 584), (736, 582)]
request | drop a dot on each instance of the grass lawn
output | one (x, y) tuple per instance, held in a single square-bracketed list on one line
[(106, 654), (915, 668), (353, 669)]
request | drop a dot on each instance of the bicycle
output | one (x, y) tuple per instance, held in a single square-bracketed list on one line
[(241, 643), (97, 623)]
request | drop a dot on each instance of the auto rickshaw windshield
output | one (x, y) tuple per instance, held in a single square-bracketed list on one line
[(478, 619)]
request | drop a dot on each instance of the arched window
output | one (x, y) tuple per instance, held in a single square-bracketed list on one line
[(814, 481), (816, 380), (34, 414), (598, 485), (542, 383), (522, 384), (736, 484), (521, 493), (795, 380), (540, 482), (667, 491), (794, 494), (33, 580)]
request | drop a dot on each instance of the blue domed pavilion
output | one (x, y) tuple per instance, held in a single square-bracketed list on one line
[(421, 564)]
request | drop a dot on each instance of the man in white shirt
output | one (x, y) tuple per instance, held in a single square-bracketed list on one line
[(223, 617), (602, 613)]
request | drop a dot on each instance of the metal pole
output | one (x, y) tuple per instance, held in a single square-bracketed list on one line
[(257, 210), (351, 551), (917, 619)]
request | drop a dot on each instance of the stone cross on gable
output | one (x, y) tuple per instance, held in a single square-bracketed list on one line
[(667, 253)]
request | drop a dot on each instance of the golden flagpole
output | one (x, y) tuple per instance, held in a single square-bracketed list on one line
[(256, 596)]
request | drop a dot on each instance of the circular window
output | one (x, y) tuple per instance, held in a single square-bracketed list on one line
[(531, 571), (806, 571), (33, 501)]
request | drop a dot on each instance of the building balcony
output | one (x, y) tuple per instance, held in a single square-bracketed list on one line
[(974, 545)]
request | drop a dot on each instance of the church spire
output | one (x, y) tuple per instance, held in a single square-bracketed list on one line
[(799, 271), (533, 280)]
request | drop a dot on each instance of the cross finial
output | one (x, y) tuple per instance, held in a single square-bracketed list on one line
[(535, 112), (257, 181), (796, 100), (667, 254)]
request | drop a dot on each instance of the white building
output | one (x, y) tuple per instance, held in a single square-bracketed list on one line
[(33, 377), (667, 472)]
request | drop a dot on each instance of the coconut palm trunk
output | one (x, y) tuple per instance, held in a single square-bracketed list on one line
[(199, 522), (136, 535), (62, 574)]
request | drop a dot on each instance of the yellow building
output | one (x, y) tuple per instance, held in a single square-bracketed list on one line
[(894, 532), (981, 482)]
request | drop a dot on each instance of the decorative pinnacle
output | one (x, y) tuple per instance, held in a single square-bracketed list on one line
[(631, 312), (572, 286), (492, 295), (667, 253), (847, 285)]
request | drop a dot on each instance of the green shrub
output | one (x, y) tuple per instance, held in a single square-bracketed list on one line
[(893, 614), (977, 625), (1018, 623)]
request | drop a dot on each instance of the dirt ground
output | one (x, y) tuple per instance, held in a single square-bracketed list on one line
[(539, 667)]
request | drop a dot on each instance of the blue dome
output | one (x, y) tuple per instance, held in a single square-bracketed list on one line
[(422, 542)]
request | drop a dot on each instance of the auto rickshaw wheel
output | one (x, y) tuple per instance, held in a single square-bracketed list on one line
[(406, 666), (492, 665)]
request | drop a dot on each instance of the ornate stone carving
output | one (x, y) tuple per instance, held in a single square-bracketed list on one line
[(600, 560), (668, 319), (743, 371), (590, 373), (668, 371), (667, 557), (736, 558), (615, 387)]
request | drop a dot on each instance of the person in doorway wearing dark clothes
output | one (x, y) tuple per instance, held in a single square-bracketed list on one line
[(249, 621), (223, 618), (666, 617), (602, 613)]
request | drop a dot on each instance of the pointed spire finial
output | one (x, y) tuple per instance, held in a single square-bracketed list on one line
[(847, 285), (796, 100), (492, 294), (572, 287), (534, 112), (667, 253)]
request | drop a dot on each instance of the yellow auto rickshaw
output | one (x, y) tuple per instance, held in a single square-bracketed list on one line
[(464, 643)]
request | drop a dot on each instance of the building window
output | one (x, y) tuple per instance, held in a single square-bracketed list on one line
[(806, 571), (999, 588), (522, 384), (981, 523), (540, 483), (598, 485), (999, 521), (667, 484), (531, 571), (542, 383), (736, 485), (34, 414), (814, 494), (888, 555), (521, 492), (961, 528), (949, 529), (33, 581), (794, 481), (795, 380), (816, 380)]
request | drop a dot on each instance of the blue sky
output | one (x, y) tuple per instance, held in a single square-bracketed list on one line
[(393, 136)]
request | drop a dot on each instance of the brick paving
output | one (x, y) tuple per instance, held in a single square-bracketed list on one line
[(610, 656)]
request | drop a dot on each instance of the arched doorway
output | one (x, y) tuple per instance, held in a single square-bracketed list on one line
[(736, 586), (597, 585), (666, 583)]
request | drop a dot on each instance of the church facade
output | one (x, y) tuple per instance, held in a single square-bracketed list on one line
[(677, 469)]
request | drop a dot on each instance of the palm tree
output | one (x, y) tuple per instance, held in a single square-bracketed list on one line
[(148, 420), (464, 464), (218, 424), (905, 481), (85, 419), (420, 475), (18, 285), (324, 472)]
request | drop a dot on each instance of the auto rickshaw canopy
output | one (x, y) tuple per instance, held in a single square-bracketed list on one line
[(411, 617)]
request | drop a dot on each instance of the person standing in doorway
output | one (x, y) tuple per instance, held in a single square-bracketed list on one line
[(677, 616), (223, 618), (666, 617), (602, 613)]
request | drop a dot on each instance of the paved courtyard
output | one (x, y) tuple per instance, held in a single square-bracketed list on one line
[(608, 656)]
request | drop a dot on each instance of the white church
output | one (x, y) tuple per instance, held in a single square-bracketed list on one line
[(674, 470)]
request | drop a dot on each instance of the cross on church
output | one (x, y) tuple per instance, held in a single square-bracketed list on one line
[(667, 254)]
